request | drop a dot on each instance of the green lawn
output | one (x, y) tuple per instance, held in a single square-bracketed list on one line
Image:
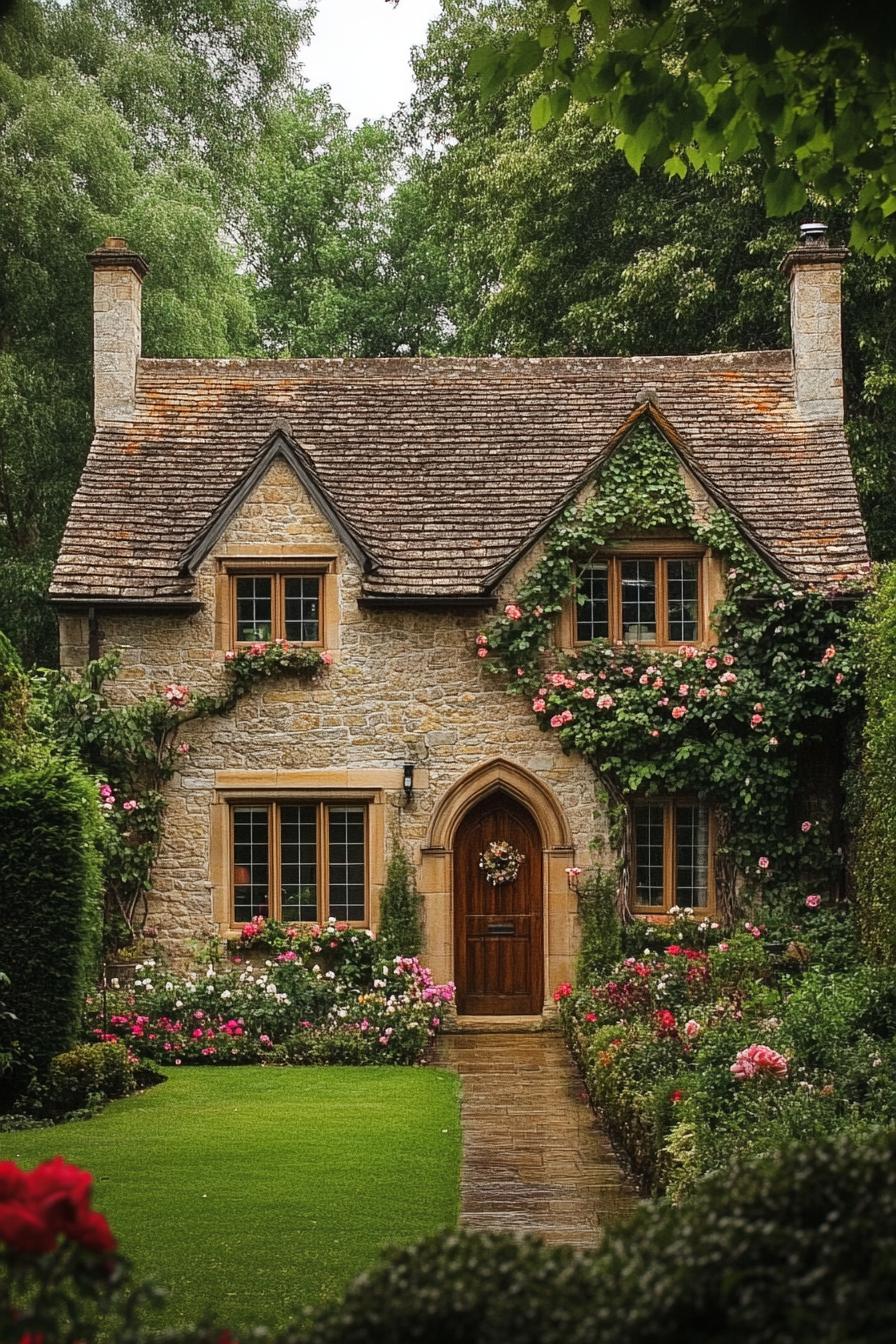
[(249, 1190)]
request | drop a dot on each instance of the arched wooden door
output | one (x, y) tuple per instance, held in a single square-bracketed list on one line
[(498, 929)]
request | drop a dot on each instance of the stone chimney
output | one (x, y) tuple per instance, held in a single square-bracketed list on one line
[(813, 270), (117, 281)]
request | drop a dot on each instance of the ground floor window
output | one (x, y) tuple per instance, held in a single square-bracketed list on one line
[(671, 851), (300, 862)]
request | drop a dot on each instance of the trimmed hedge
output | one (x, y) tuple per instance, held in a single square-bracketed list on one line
[(50, 900), (800, 1249), (875, 876), (85, 1074)]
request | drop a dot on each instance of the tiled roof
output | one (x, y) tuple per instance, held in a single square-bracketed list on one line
[(442, 468)]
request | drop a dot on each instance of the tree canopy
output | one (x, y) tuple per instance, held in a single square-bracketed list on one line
[(808, 87)]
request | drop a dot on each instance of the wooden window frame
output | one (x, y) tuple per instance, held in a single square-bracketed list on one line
[(322, 568), (669, 803), (275, 858), (659, 554)]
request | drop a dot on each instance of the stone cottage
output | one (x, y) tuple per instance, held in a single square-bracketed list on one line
[(380, 510)]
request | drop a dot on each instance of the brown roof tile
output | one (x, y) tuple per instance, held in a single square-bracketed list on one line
[(443, 467)]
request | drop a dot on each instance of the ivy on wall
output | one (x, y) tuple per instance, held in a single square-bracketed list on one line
[(132, 750), (730, 723)]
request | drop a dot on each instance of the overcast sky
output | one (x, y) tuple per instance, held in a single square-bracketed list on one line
[(361, 48)]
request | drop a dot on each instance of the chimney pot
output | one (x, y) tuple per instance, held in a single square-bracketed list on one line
[(814, 270), (814, 235), (117, 283)]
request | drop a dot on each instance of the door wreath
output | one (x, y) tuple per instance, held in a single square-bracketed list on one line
[(500, 862)]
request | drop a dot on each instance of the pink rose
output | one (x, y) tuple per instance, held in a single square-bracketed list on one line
[(728, 678), (806, 827), (229, 656), (604, 701), (481, 639), (130, 805), (538, 705), (764, 863), (589, 693), (679, 712), (728, 659), (683, 689), (702, 693), (755, 720), (482, 653), (692, 1029), (512, 612), (557, 720), (326, 658), (711, 664), (643, 679), (723, 947), (759, 1059), (654, 732), (813, 901)]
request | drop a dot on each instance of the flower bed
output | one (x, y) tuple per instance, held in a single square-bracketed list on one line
[(324, 997), (718, 1044)]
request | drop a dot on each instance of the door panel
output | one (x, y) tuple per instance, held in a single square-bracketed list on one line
[(498, 937)]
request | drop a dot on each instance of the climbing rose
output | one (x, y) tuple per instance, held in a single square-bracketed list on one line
[(588, 693), (482, 653), (759, 1059), (177, 696), (326, 658), (604, 701), (806, 826), (763, 863), (813, 901), (679, 712), (755, 720), (482, 639), (538, 704), (512, 612)]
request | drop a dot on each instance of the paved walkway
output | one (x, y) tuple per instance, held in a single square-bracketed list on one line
[(535, 1157)]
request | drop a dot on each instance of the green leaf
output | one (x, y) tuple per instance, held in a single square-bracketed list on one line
[(541, 113), (784, 192), (675, 166)]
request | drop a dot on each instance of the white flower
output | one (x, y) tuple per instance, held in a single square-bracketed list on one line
[(169, 986), (226, 994), (138, 970), (178, 1003), (330, 975), (114, 983)]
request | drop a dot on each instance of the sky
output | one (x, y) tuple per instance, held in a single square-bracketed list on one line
[(361, 48)]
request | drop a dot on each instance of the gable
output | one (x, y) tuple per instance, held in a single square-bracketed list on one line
[(277, 498)]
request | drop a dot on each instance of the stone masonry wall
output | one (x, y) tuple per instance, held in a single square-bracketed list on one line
[(405, 686)]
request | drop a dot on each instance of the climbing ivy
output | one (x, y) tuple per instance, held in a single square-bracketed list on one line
[(731, 723), (132, 750)]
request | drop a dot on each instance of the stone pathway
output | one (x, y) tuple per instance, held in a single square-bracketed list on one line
[(535, 1158)]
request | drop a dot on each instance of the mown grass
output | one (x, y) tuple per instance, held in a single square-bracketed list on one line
[(251, 1191)]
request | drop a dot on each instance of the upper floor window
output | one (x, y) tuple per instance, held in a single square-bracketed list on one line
[(299, 861), (641, 599), (276, 606), (671, 851)]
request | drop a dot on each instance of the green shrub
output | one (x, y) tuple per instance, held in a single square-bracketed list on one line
[(50, 913), (14, 693), (601, 929), (797, 1250), (87, 1073), (399, 933), (875, 870)]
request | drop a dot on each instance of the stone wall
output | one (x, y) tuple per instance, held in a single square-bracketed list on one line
[(404, 686)]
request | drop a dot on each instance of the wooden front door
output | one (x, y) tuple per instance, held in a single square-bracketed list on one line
[(498, 939)]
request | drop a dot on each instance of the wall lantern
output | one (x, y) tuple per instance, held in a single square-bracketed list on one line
[(407, 782)]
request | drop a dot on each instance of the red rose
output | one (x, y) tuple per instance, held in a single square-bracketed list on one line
[(92, 1231), (23, 1229), (13, 1181), (60, 1192)]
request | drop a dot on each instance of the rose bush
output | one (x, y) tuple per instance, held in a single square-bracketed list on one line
[(325, 996), (726, 1041)]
